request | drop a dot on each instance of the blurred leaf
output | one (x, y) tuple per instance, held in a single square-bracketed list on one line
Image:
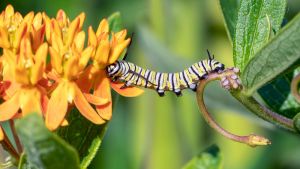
[(277, 95), (45, 150), (85, 136), (230, 10), (115, 22), (278, 55), (211, 158), (256, 19)]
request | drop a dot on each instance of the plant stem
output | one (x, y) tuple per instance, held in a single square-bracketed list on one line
[(294, 88), (263, 112), (9, 147), (252, 140), (16, 138)]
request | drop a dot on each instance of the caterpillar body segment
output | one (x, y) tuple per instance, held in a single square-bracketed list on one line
[(132, 74)]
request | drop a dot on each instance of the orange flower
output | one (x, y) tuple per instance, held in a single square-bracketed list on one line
[(13, 27), (68, 61), (26, 70), (107, 52)]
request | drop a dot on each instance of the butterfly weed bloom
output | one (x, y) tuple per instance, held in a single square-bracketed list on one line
[(108, 48), (26, 70), (69, 58)]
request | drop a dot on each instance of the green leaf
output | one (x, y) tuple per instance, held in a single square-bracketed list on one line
[(256, 19), (82, 134), (278, 55), (211, 158), (278, 97), (230, 11), (115, 22), (45, 150)]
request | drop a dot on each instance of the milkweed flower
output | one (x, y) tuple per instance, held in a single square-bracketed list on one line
[(68, 60), (26, 70), (13, 27), (108, 50)]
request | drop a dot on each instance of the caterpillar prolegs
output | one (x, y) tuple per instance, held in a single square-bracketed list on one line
[(132, 74)]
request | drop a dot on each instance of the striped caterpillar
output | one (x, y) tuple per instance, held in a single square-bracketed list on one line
[(132, 74)]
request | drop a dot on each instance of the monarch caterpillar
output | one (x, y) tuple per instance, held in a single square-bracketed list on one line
[(132, 74)]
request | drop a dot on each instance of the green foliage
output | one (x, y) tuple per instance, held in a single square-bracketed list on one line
[(43, 149), (229, 9), (278, 55), (266, 54), (211, 158), (256, 18)]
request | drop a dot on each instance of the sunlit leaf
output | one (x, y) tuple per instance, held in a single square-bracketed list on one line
[(256, 19), (278, 55)]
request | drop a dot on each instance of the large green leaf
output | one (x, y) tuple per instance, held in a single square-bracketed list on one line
[(211, 158), (43, 149), (278, 55), (230, 11), (256, 19)]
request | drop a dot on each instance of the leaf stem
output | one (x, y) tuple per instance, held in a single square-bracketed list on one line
[(263, 112), (16, 138), (251, 140), (9, 147)]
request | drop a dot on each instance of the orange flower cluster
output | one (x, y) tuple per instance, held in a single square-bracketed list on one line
[(46, 67)]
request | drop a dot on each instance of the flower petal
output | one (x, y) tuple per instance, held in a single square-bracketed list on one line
[(92, 37), (95, 100), (30, 101), (56, 60), (20, 33), (85, 108), (79, 40), (1, 134), (102, 89), (4, 43), (117, 51), (128, 91), (103, 27), (57, 107), (85, 80), (10, 107), (102, 53), (73, 28), (85, 56)]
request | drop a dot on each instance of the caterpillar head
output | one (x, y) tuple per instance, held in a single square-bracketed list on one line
[(113, 69), (216, 66)]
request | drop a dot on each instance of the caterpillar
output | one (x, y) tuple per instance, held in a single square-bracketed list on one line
[(132, 74)]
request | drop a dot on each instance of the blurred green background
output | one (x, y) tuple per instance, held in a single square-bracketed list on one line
[(165, 133)]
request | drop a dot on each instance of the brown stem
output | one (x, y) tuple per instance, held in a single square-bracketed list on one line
[(16, 138), (9, 147), (294, 87), (251, 140)]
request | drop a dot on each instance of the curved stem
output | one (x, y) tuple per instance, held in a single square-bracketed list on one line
[(294, 87), (252, 140)]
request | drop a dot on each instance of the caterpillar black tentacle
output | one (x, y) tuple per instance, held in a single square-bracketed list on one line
[(132, 74)]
